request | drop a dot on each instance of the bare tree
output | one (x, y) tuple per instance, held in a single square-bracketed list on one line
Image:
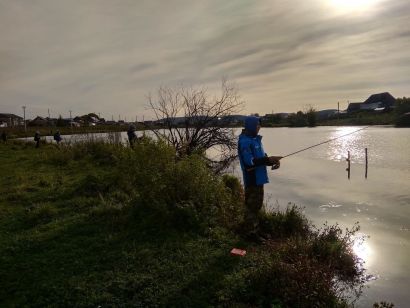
[(311, 116), (192, 122)]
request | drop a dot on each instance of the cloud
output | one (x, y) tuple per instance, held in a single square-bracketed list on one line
[(106, 57)]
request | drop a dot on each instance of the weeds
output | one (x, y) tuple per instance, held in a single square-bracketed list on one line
[(97, 224)]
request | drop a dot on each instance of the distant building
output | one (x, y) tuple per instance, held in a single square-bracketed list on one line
[(74, 124), (11, 120), (39, 121), (354, 107), (375, 102), (383, 99), (370, 106), (90, 119)]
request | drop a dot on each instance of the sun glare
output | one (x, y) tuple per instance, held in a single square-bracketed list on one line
[(346, 6), (363, 250)]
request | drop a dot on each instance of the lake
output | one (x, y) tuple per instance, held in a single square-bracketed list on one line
[(316, 179)]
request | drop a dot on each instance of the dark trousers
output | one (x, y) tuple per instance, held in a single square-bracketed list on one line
[(253, 203)]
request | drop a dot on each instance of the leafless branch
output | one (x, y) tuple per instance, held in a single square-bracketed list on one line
[(189, 120)]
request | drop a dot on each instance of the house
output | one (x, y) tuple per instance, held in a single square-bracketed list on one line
[(90, 119), (39, 121), (381, 99), (11, 120), (353, 107), (371, 106), (73, 124)]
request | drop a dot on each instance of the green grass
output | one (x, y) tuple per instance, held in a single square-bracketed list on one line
[(104, 225), (20, 132)]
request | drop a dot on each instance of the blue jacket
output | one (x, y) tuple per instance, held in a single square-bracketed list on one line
[(251, 155)]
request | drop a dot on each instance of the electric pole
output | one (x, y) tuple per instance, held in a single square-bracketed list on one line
[(24, 117), (71, 121), (338, 110)]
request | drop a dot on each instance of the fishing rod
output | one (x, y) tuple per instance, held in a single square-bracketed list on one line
[(327, 141)]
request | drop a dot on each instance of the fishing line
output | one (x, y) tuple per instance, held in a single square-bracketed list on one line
[(330, 140)]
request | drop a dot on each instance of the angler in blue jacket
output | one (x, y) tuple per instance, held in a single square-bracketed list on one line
[(253, 161)]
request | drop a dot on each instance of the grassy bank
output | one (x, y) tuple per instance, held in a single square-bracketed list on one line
[(104, 225), (19, 132)]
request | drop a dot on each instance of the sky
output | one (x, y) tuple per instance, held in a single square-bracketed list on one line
[(107, 56)]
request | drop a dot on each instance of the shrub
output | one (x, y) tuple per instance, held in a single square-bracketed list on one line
[(101, 152), (183, 189), (266, 281), (291, 222), (333, 246), (232, 213)]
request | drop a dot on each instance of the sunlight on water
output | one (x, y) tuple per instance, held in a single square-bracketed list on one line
[(362, 249), (337, 149)]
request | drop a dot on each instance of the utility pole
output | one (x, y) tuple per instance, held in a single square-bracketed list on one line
[(48, 110), (24, 115), (338, 110), (71, 120)]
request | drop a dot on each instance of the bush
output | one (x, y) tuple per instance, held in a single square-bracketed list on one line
[(184, 191), (299, 267), (103, 153), (291, 222), (266, 281), (333, 246)]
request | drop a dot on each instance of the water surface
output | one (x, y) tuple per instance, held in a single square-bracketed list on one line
[(317, 180)]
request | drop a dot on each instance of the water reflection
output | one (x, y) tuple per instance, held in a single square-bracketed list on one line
[(316, 180), (362, 249), (330, 205), (337, 149)]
